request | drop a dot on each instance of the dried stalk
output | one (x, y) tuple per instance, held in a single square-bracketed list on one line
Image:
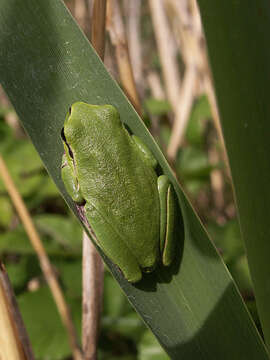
[(14, 342), (185, 102), (93, 268), (189, 27), (93, 271), (43, 258), (133, 12), (166, 51), (117, 34), (98, 27), (194, 54), (155, 86), (81, 14)]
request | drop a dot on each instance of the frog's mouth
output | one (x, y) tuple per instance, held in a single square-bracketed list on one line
[(66, 143)]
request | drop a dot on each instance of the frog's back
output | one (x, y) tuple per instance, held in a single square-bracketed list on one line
[(118, 182)]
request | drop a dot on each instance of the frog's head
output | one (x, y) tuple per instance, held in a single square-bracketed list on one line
[(84, 120), (85, 123)]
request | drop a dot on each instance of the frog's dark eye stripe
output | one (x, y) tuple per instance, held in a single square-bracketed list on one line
[(63, 135), (65, 141), (70, 152), (69, 110)]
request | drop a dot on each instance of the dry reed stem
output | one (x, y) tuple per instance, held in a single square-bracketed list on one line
[(93, 268), (81, 14), (194, 51), (133, 12), (209, 89), (185, 102), (43, 258), (14, 341), (93, 271), (115, 27), (98, 27), (166, 50), (155, 86)]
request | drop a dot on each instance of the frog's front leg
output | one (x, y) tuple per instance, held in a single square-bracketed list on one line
[(146, 154), (167, 219), (70, 181)]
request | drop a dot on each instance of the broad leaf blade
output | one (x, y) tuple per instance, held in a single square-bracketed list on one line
[(237, 34), (46, 64)]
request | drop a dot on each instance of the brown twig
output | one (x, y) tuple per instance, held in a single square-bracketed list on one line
[(43, 258), (14, 341), (115, 27)]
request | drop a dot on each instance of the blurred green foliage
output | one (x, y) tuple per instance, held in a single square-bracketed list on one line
[(123, 335)]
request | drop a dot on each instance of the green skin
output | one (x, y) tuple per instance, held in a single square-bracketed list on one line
[(130, 209)]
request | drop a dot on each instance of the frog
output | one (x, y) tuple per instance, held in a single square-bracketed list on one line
[(112, 175)]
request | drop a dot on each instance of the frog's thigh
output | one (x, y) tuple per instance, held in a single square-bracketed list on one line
[(112, 245), (167, 219)]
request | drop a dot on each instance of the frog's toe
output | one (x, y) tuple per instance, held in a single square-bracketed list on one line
[(149, 269), (134, 276)]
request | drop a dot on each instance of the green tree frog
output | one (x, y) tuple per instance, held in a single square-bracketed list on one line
[(112, 175)]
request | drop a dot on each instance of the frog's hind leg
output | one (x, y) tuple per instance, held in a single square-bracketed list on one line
[(112, 244), (167, 219)]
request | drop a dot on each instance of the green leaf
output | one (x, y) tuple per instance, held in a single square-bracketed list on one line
[(118, 315), (65, 230), (6, 211), (237, 34), (17, 242), (228, 240), (157, 107), (71, 276), (193, 163), (196, 125), (193, 307), (44, 327), (149, 348), (27, 171), (18, 272), (241, 274)]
